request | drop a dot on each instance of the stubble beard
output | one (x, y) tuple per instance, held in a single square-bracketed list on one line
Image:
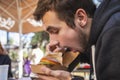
[(83, 40)]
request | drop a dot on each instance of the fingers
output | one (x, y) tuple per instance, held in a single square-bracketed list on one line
[(55, 74), (58, 49), (45, 70), (62, 75), (52, 46), (44, 77), (55, 49)]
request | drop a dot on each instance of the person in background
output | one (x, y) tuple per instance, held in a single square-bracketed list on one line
[(26, 65), (27, 69), (5, 60), (36, 55)]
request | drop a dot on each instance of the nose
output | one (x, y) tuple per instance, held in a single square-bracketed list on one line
[(52, 46)]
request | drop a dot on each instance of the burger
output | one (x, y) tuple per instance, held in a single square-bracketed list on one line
[(69, 57), (49, 62), (53, 61)]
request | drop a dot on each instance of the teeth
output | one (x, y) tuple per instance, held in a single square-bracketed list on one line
[(65, 49)]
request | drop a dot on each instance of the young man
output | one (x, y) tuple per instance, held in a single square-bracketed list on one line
[(68, 23)]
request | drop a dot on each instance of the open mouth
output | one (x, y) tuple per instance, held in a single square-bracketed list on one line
[(68, 49)]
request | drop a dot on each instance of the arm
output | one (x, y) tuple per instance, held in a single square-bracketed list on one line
[(108, 56)]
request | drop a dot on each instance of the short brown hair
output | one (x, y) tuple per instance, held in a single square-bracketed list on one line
[(65, 9)]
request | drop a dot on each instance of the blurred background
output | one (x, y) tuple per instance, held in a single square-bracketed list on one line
[(10, 42)]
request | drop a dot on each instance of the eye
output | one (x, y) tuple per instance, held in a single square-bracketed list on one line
[(53, 30)]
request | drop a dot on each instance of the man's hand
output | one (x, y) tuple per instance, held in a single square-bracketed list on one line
[(54, 74)]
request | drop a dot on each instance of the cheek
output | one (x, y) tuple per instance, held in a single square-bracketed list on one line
[(52, 37), (70, 39)]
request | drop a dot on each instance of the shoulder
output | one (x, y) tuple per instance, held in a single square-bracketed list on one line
[(113, 22), (4, 59), (3, 55), (116, 17)]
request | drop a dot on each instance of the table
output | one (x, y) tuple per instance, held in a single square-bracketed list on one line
[(84, 72)]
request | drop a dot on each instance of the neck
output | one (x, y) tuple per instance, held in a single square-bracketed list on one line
[(88, 28)]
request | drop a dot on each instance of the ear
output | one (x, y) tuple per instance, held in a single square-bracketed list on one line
[(81, 17)]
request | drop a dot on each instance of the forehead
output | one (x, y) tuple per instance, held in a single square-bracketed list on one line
[(50, 17)]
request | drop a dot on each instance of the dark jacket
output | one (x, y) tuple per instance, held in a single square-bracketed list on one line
[(105, 35), (4, 59)]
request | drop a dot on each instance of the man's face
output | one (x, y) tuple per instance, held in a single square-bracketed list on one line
[(61, 35)]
